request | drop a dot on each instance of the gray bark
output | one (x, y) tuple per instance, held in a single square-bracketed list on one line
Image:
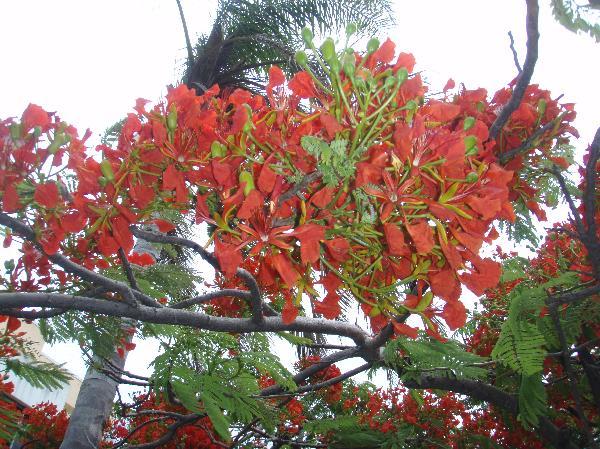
[(93, 406), (97, 393)]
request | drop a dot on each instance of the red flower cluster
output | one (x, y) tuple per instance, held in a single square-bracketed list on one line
[(374, 186)]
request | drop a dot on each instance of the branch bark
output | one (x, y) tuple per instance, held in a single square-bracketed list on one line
[(524, 77)]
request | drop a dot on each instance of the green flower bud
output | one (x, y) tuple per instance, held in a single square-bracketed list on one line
[(107, 171), (389, 82), (469, 123), (351, 29), (172, 119), (470, 145), (541, 107), (246, 177), (15, 131), (217, 149), (328, 49), (301, 58), (471, 177), (372, 45), (402, 75), (307, 36)]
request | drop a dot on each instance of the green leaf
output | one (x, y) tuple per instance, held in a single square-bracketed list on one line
[(39, 374), (532, 400), (314, 145), (447, 358), (218, 419)]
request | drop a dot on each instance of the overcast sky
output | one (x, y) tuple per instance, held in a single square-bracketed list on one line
[(90, 60)]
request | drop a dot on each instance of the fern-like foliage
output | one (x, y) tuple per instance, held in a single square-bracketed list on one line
[(414, 357), (532, 399), (575, 17), (37, 373), (527, 335)]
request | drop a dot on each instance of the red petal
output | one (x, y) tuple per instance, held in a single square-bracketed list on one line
[(239, 119), (121, 232), (34, 116), (266, 179), (323, 197), (228, 256), (13, 324), (143, 259), (310, 235), (449, 85), (405, 329), (394, 238), (73, 222), (332, 126), (10, 199), (164, 226), (254, 201), (285, 269), (422, 236), (107, 245), (406, 60), (445, 285), (276, 77), (302, 85), (289, 312), (141, 195), (329, 307), (385, 53), (455, 314), (47, 195), (338, 248)]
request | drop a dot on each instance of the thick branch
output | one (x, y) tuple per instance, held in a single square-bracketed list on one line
[(524, 78), (10, 301), (490, 394)]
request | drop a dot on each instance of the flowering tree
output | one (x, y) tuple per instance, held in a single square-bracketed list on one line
[(344, 186)]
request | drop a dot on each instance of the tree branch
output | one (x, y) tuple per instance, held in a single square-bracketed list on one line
[(11, 300), (514, 52), (524, 77), (245, 276), (71, 267)]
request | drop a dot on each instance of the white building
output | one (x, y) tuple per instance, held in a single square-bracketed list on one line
[(28, 395)]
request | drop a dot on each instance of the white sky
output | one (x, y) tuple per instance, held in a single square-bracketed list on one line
[(90, 60)]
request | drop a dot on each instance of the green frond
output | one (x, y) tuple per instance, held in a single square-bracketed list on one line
[(414, 357), (37, 373)]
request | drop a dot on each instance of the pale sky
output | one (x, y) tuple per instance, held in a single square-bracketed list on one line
[(90, 60)]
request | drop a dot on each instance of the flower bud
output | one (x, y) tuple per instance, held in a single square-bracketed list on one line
[(372, 45), (107, 171), (351, 29), (301, 58), (328, 49), (471, 177), (307, 36)]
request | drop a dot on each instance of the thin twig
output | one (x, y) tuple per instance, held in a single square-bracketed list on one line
[(528, 144), (188, 43), (514, 52), (245, 276), (226, 292)]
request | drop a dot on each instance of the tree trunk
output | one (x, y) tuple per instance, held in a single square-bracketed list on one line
[(93, 406), (97, 393)]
